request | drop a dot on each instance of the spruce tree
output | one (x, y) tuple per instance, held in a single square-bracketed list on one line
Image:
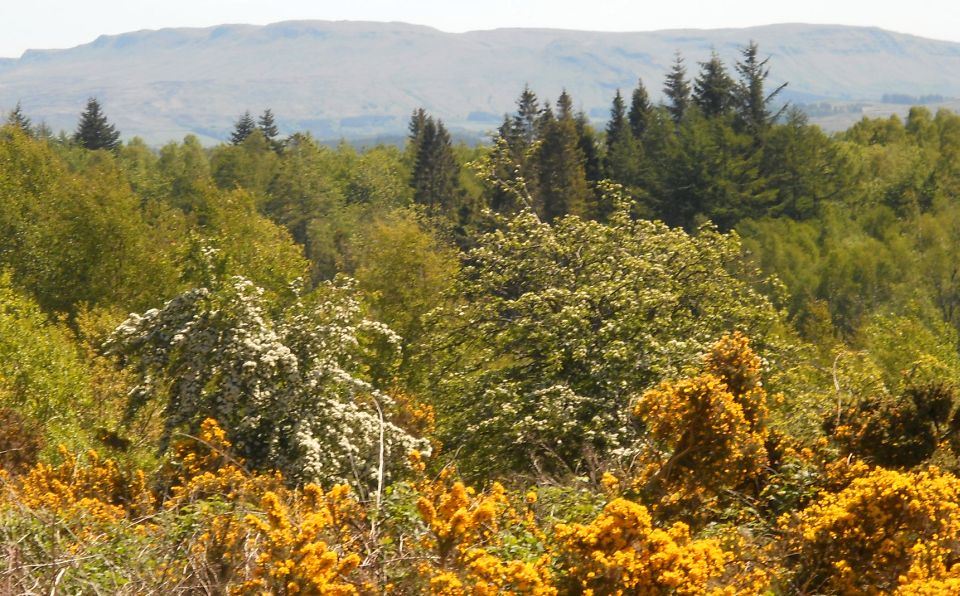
[(417, 122), (640, 108), (526, 122), (94, 131), (617, 127), (677, 89), (18, 119), (506, 156), (436, 175), (268, 127), (713, 88), (243, 129), (752, 102), (563, 183), (524, 131), (623, 154), (588, 146)]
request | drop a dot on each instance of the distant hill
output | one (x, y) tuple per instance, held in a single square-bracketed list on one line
[(362, 80)]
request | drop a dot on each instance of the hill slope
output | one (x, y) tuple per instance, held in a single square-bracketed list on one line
[(355, 79)]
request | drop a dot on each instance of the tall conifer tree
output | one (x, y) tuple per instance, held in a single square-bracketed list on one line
[(94, 131), (713, 88), (417, 122), (677, 89), (436, 175), (268, 126), (588, 146), (526, 122), (243, 129), (752, 101), (563, 183), (18, 119), (618, 126), (622, 157), (640, 109)]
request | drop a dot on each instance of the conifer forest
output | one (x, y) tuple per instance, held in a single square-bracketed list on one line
[(704, 348)]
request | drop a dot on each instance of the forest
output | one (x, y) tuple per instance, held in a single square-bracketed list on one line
[(705, 349)]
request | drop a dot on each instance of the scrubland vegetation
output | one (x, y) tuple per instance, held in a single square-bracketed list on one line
[(708, 350)]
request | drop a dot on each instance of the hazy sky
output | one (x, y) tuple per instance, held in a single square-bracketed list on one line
[(66, 23)]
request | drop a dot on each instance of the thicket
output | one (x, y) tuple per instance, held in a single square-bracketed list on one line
[(710, 349)]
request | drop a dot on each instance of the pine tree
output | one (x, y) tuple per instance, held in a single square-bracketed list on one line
[(268, 127), (640, 108), (677, 89), (713, 88), (94, 131), (752, 103), (18, 119), (243, 129)]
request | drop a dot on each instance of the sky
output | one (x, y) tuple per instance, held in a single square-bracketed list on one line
[(43, 24)]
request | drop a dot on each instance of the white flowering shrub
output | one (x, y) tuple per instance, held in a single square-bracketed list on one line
[(558, 325), (295, 387)]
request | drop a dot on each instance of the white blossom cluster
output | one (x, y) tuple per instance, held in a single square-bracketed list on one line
[(293, 389), (561, 324)]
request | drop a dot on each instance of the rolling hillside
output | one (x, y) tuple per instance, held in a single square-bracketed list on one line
[(359, 79)]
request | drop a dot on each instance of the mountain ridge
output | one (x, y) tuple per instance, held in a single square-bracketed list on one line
[(363, 78)]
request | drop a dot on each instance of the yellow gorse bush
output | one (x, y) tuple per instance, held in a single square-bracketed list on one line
[(97, 486), (706, 433), (204, 522), (621, 552), (886, 531), (293, 558), (463, 543)]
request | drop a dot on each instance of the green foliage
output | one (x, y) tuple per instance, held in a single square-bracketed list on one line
[(43, 379), (563, 177), (76, 237), (640, 109), (268, 127), (540, 161), (624, 156), (405, 271), (182, 176), (250, 164), (561, 323), (251, 245)]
